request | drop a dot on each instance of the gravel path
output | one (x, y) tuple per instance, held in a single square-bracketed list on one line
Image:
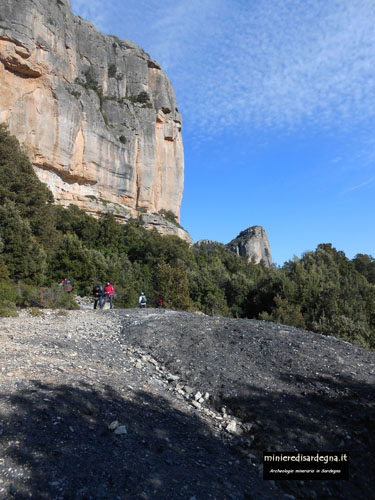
[(155, 404)]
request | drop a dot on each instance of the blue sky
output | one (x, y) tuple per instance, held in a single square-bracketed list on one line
[(278, 103)]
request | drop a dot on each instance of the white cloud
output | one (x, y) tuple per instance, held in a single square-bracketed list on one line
[(93, 11), (256, 64)]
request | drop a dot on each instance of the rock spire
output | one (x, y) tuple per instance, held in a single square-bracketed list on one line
[(252, 244)]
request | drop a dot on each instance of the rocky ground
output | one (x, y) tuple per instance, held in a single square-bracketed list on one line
[(156, 404)]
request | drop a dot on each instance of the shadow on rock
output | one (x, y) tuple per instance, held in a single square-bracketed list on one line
[(57, 444), (319, 414)]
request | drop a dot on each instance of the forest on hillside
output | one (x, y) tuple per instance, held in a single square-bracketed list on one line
[(42, 243)]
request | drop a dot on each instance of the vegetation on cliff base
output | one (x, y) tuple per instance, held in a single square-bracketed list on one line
[(41, 243)]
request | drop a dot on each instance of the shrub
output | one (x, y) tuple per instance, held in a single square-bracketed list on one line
[(142, 98), (45, 298), (6, 312), (75, 94), (37, 313), (112, 70), (27, 295), (57, 298), (285, 313), (91, 80), (62, 312), (22, 254), (8, 294), (169, 216), (19, 182), (172, 283)]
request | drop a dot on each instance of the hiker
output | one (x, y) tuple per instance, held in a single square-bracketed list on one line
[(67, 285), (159, 302), (109, 293), (98, 293), (142, 300)]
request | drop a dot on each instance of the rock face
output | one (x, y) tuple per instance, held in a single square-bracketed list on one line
[(208, 244), (253, 244), (97, 117)]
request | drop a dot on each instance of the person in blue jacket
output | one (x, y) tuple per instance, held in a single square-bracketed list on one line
[(98, 293)]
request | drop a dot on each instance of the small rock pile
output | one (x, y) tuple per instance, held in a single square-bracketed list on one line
[(222, 420), (84, 303)]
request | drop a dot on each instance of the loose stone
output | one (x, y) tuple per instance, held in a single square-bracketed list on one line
[(121, 430)]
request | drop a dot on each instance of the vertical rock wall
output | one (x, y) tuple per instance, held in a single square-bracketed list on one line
[(97, 116)]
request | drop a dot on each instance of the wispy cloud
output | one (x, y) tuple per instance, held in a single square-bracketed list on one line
[(263, 64), (92, 11), (365, 184)]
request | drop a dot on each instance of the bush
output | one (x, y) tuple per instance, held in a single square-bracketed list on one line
[(172, 283), (8, 294), (19, 183), (112, 70), (62, 312), (45, 298), (91, 80), (169, 216), (285, 313), (6, 312), (37, 313), (142, 98), (57, 298), (27, 295)]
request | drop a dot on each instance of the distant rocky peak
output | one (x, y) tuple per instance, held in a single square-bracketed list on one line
[(253, 244)]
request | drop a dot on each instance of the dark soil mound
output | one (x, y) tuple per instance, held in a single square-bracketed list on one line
[(300, 391)]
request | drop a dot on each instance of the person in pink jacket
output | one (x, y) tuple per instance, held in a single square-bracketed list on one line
[(109, 293)]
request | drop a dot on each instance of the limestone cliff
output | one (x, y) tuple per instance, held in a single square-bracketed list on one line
[(253, 244), (97, 117)]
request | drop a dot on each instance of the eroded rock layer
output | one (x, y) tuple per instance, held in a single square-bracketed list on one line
[(97, 117)]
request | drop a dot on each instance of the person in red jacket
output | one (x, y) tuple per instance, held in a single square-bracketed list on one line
[(67, 285), (109, 293)]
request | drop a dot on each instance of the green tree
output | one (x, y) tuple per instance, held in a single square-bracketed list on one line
[(21, 253), (19, 183), (172, 285), (365, 264), (75, 261)]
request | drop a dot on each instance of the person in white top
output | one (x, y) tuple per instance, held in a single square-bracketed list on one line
[(142, 300)]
